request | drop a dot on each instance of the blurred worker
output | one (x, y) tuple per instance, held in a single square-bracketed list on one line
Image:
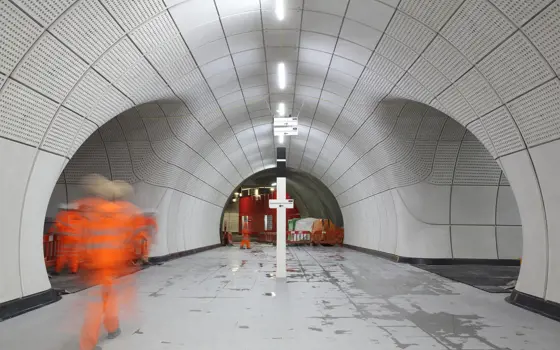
[(67, 228), (123, 193), (146, 227), (108, 229), (228, 238), (151, 228), (245, 240)]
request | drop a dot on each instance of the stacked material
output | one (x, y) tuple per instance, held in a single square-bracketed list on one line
[(305, 224)]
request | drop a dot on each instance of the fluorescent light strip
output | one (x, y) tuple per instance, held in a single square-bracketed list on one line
[(281, 75), (281, 138), (280, 10), (282, 109)]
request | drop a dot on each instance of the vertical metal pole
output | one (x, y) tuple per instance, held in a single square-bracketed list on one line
[(281, 213), (281, 230)]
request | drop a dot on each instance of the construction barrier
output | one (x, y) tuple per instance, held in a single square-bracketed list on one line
[(331, 236), (298, 237), (328, 237), (51, 243), (50, 249), (266, 237)]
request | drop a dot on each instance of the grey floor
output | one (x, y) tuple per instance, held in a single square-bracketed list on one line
[(333, 299)]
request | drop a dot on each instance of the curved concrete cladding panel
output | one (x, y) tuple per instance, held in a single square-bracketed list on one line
[(168, 175), (491, 65), (434, 182)]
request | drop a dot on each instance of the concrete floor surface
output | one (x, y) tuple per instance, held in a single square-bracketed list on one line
[(333, 298)]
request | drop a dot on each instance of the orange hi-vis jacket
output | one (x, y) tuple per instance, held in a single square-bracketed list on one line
[(151, 222), (107, 236), (146, 227), (68, 225)]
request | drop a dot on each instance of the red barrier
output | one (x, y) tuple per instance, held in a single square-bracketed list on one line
[(270, 237), (50, 249)]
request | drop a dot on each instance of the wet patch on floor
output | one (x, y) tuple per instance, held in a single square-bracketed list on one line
[(315, 329)]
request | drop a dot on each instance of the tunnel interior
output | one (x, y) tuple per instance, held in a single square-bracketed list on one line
[(428, 129), (423, 186)]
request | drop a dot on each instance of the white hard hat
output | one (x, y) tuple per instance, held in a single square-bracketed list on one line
[(96, 185), (122, 190)]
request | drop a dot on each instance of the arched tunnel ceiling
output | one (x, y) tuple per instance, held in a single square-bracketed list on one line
[(74, 66)]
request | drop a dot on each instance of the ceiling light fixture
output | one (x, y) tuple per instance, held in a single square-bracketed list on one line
[(273, 184), (280, 11), (281, 75), (282, 109)]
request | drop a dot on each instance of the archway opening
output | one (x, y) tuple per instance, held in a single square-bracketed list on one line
[(249, 204), (424, 189)]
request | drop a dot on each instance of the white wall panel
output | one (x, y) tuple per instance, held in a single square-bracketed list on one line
[(44, 175), (474, 242), (473, 205), (388, 241), (547, 166), (418, 239), (57, 197), (507, 209), (524, 184), (18, 160), (510, 242), (417, 196)]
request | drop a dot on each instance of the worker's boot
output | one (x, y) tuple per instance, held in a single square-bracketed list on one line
[(114, 334)]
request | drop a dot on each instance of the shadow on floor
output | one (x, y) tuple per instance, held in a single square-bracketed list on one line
[(492, 279)]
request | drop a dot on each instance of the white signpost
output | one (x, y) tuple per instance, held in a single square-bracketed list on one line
[(278, 122), (286, 130), (281, 203)]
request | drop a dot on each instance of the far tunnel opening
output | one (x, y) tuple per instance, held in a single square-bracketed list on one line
[(249, 205)]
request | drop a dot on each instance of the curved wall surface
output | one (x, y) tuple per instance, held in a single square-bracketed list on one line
[(427, 188), (66, 69)]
